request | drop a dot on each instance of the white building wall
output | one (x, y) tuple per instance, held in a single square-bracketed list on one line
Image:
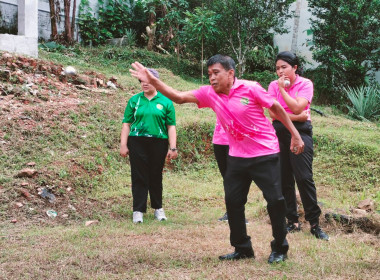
[(8, 16), (8, 11), (26, 42), (296, 39)]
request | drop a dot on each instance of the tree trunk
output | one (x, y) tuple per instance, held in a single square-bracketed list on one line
[(53, 20), (178, 46), (202, 61), (151, 31), (73, 18), (66, 7)]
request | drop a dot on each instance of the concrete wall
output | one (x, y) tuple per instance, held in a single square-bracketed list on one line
[(8, 17), (296, 39), (26, 42), (19, 44), (8, 21)]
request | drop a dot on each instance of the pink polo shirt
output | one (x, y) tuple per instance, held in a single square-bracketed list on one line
[(250, 133), (220, 137), (302, 87)]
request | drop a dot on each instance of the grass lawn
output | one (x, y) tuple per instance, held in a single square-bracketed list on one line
[(73, 141)]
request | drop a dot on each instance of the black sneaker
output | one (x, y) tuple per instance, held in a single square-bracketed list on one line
[(319, 233), (238, 255), (292, 227), (276, 257), (225, 219)]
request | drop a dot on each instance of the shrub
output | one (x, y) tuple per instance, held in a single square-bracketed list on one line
[(195, 143), (345, 43), (262, 77), (365, 102)]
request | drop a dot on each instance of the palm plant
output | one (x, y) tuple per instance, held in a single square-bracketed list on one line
[(365, 102)]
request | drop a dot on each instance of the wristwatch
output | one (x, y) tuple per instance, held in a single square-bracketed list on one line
[(173, 149)]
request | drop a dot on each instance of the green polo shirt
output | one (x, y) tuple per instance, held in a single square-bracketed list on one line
[(149, 118)]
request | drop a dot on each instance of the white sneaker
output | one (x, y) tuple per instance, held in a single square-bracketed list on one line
[(137, 217), (159, 214)]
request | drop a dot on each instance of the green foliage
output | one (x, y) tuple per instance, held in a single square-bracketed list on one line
[(346, 39), (130, 37), (247, 24), (170, 26), (113, 21), (262, 58), (201, 24), (355, 162), (262, 77), (89, 29), (194, 144), (114, 18), (52, 47), (365, 102)]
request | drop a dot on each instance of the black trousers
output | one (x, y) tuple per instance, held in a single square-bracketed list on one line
[(265, 172), (221, 154), (298, 168), (147, 159)]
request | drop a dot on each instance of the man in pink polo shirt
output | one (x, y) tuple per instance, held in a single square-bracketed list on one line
[(253, 147)]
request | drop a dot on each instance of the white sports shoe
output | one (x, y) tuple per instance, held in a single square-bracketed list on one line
[(137, 217), (159, 214)]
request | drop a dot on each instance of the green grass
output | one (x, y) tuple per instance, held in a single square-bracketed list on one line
[(78, 149)]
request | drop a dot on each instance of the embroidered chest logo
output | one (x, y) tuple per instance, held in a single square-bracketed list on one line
[(159, 107), (296, 94), (244, 101)]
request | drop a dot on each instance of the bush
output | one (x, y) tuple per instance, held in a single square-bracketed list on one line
[(195, 146), (262, 77), (365, 102), (345, 43)]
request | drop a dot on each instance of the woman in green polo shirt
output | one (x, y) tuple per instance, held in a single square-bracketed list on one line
[(148, 130)]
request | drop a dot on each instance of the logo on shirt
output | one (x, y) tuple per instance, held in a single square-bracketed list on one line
[(159, 107), (296, 94), (244, 101)]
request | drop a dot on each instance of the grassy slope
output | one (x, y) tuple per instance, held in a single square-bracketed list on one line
[(346, 171)]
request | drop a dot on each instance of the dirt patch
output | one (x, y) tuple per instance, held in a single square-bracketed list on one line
[(33, 90), (35, 95)]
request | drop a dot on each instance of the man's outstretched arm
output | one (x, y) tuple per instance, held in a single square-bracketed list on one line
[(141, 73)]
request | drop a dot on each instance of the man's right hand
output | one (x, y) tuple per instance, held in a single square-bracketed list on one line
[(296, 144), (141, 73)]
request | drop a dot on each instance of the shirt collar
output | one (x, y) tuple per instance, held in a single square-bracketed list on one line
[(298, 79), (237, 83)]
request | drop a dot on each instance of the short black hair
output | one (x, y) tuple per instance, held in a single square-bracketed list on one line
[(227, 62), (290, 58)]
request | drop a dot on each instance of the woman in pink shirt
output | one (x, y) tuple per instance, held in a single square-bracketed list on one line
[(295, 94)]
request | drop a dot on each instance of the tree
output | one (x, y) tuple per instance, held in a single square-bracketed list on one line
[(54, 17), (151, 7), (55, 10), (172, 23), (73, 18), (346, 39), (201, 25), (247, 24), (67, 34)]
